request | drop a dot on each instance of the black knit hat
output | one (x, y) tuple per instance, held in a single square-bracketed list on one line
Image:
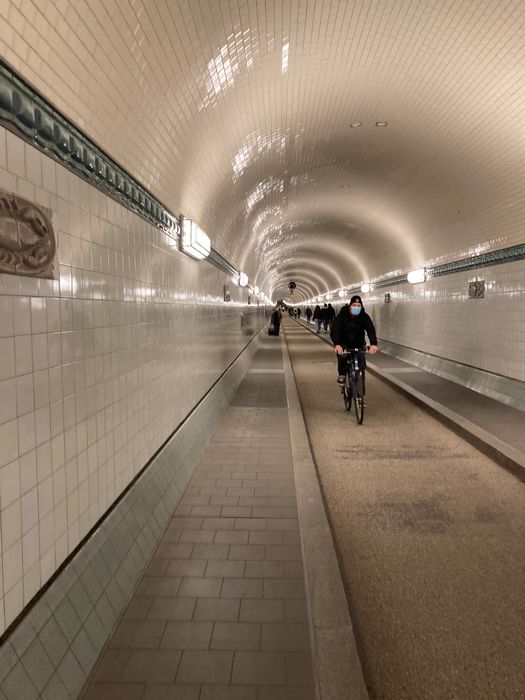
[(356, 298)]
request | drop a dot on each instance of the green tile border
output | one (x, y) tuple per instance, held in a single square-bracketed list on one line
[(494, 257), (476, 262)]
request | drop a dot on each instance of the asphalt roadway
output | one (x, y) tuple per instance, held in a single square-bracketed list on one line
[(430, 535)]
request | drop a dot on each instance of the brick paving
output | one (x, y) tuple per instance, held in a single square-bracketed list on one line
[(220, 612)]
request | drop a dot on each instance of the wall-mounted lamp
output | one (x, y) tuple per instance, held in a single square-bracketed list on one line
[(243, 279), (194, 241), (415, 276)]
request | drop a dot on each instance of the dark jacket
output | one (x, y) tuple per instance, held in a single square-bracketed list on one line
[(317, 312), (276, 317), (325, 313), (349, 331)]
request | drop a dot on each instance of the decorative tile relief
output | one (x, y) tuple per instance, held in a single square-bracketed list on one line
[(27, 238)]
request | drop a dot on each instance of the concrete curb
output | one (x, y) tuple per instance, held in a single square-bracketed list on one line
[(505, 455), (337, 668)]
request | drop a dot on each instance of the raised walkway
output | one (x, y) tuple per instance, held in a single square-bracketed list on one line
[(221, 612)]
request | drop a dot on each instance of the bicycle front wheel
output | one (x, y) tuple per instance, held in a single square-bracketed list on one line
[(359, 398), (347, 393)]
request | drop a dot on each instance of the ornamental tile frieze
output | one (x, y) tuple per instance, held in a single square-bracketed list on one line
[(27, 239)]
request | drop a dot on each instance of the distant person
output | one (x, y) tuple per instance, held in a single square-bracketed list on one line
[(308, 313), (317, 317), (324, 317), (348, 332), (276, 320), (298, 313), (295, 313), (331, 316)]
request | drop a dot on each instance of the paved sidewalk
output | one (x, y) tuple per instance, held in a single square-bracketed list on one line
[(220, 613)]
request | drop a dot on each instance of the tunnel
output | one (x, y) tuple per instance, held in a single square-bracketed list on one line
[(195, 197)]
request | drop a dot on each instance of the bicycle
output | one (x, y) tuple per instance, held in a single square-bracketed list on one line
[(353, 388)]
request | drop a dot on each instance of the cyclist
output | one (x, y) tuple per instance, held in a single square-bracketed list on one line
[(349, 328)]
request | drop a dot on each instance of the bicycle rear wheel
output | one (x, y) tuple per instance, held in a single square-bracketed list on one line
[(359, 398), (347, 392)]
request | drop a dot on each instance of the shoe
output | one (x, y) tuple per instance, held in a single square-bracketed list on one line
[(341, 379)]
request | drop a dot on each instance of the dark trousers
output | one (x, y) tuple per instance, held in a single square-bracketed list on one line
[(342, 364), (276, 327)]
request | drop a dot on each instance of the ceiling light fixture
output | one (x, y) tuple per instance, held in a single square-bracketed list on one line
[(381, 123), (415, 276), (365, 288), (356, 125), (243, 279), (194, 241)]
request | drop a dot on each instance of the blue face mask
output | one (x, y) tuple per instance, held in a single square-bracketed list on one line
[(355, 310)]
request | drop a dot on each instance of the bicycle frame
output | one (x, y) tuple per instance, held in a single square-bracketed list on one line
[(353, 389)]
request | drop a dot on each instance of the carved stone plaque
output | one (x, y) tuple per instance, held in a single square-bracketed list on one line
[(27, 239), (476, 289)]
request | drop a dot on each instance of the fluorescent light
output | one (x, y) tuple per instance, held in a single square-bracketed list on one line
[(243, 279), (415, 276), (365, 288), (381, 123), (194, 241)]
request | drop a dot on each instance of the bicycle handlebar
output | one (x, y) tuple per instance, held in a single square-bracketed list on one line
[(349, 351)]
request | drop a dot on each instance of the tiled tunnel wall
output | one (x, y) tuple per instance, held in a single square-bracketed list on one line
[(98, 366), (52, 650), (438, 318)]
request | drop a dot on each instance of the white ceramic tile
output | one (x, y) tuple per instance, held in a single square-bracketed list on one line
[(26, 432), (15, 155), (38, 315), (13, 601), (23, 348), (25, 394), (41, 388), (28, 472), (8, 443), (7, 353), (40, 351), (45, 506), (22, 315), (8, 400), (29, 505), (12, 565), (6, 316), (11, 525)]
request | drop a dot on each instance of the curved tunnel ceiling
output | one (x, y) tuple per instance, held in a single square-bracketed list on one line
[(257, 118)]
